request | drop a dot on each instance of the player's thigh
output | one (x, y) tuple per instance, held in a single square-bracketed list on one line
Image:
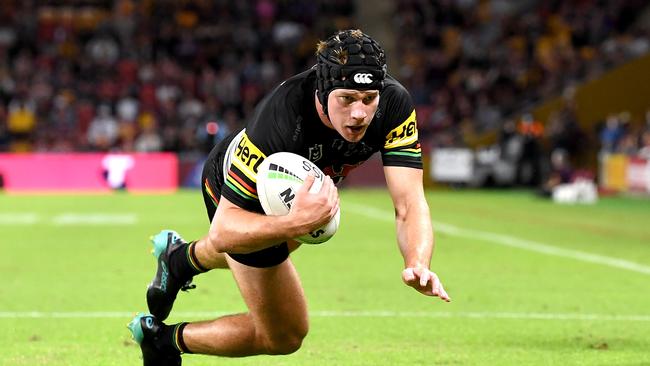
[(275, 298)]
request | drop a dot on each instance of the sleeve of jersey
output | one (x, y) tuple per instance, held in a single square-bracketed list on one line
[(240, 182), (263, 136), (401, 144)]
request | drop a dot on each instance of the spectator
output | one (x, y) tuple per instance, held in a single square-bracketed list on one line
[(563, 131), (127, 108), (168, 61), (610, 134), (644, 150), (560, 172), (529, 166), (628, 144), (473, 63), (21, 123), (148, 140), (503, 56), (4, 133), (103, 130)]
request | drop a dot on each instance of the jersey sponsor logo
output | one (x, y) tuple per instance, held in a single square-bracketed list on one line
[(248, 157), (403, 135), (362, 78), (315, 152)]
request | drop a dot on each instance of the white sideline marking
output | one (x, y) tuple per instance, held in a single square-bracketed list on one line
[(509, 241), (18, 218), (69, 218), (339, 314), (94, 219)]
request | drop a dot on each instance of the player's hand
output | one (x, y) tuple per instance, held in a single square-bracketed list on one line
[(425, 282), (313, 210)]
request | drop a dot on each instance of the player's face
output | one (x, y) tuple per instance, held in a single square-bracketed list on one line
[(351, 111)]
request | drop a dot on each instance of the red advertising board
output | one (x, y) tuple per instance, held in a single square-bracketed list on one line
[(93, 172)]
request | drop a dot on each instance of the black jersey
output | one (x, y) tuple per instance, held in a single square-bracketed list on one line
[(287, 120)]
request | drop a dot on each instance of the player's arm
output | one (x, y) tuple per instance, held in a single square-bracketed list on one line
[(414, 231), (236, 230)]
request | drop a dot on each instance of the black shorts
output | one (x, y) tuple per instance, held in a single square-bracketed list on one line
[(212, 180)]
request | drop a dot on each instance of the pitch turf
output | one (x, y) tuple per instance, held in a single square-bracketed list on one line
[(532, 283)]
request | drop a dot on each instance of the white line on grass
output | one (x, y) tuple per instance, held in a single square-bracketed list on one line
[(18, 218), (339, 314), (69, 219), (94, 219), (507, 240)]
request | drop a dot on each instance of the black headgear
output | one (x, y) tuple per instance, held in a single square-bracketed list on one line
[(364, 67)]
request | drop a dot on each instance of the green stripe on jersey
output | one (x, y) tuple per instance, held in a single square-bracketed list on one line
[(403, 153), (238, 191)]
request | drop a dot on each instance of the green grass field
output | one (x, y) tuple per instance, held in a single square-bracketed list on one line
[(532, 283)]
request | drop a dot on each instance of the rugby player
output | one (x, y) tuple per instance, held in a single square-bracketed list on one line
[(336, 114)]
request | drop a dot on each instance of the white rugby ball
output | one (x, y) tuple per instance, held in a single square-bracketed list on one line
[(279, 178)]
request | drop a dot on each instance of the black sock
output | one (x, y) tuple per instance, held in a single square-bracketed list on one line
[(184, 264), (171, 336)]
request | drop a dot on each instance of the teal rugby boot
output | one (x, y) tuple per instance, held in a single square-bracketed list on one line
[(164, 287), (146, 331)]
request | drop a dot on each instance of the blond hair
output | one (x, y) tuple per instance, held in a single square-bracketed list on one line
[(340, 54)]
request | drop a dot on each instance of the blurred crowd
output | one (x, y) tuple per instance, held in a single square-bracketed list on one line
[(148, 75), (474, 64), (617, 135), (177, 76)]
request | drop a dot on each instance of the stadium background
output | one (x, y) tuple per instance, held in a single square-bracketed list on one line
[(500, 86), (149, 76)]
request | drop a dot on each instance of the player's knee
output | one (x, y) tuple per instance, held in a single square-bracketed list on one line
[(286, 343), (215, 244)]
